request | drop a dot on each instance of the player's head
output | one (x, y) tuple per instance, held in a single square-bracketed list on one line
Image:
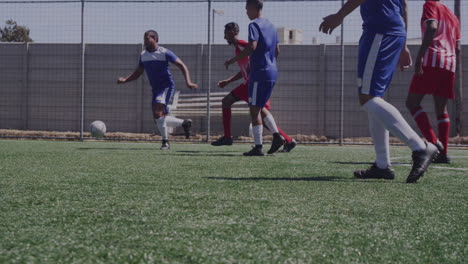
[(231, 30), (253, 7), (151, 39)]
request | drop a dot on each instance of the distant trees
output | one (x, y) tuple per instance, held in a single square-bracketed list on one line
[(12, 32)]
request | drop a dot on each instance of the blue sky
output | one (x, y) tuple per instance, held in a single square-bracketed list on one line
[(125, 22)]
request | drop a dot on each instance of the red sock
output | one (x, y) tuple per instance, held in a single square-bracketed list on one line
[(227, 122), (285, 136), (443, 126), (424, 125)]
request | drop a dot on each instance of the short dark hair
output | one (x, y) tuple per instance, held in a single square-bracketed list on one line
[(256, 3), (231, 26), (153, 34)]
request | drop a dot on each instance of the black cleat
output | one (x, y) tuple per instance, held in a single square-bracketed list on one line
[(255, 151), (278, 141), (421, 161), (289, 146), (187, 124), (222, 141), (375, 172), (442, 159), (165, 145)]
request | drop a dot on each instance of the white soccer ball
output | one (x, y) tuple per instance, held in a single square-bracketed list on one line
[(97, 129)]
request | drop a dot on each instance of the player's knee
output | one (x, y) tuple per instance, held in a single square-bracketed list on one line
[(226, 102), (410, 105)]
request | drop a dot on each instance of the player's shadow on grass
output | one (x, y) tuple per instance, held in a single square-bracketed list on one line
[(144, 149), (195, 153), (364, 163), (323, 178)]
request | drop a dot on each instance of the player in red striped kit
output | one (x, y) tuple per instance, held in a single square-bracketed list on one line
[(231, 33), (435, 72)]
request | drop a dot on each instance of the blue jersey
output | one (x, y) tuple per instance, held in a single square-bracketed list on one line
[(383, 17), (156, 65), (263, 58)]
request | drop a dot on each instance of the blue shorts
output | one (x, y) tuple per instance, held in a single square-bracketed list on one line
[(378, 59), (162, 96), (260, 92)]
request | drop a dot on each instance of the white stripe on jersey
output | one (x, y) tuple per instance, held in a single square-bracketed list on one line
[(434, 56), (370, 64), (254, 93)]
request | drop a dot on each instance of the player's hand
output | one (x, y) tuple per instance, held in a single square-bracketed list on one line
[(418, 70), (222, 84), (329, 23), (405, 60), (121, 80), (192, 85), (227, 63)]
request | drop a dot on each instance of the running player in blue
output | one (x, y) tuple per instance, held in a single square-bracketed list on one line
[(263, 49), (382, 46), (155, 60)]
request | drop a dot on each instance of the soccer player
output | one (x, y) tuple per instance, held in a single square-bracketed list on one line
[(382, 46), (435, 72), (241, 92), (155, 61), (263, 49)]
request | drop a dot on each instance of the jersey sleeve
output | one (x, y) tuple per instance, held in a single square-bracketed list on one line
[(242, 43), (254, 33), (170, 56), (430, 12), (140, 63)]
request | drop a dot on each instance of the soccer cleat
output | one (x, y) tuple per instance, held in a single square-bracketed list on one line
[(187, 124), (222, 141), (255, 151), (375, 172), (289, 146), (421, 161), (441, 158), (444, 159), (165, 145), (278, 141)]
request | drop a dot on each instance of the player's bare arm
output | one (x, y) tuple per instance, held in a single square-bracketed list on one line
[(429, 35), (334, 20), (133, 76), (405, 60), (243, 54), (223, 83), (186, 74), (277, 51)]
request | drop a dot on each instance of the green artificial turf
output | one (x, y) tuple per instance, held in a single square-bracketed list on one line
[(102, 202)]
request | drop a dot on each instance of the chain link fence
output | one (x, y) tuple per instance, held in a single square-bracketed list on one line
[(56, 85)]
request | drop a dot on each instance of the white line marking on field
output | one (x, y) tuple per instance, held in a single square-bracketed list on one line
[(436, 167), (451, 157)]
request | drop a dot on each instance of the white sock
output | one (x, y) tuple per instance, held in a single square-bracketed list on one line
[(394, 122), (258, 133), (161, 123), (381, 143), (271, 124), (174, 121)]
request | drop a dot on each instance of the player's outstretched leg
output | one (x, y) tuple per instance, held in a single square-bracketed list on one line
[(421, 161), (270, 123), (227, 102), (177, 122)]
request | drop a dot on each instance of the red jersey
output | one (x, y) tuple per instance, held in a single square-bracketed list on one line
[(441, 53), (244, 62)]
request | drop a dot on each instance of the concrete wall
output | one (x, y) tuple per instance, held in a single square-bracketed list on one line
[(40, 87)]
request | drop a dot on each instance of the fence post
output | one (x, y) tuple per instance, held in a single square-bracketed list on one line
[(82, 71), (342, 80), (458, 106), (208, 94), (25, 86)]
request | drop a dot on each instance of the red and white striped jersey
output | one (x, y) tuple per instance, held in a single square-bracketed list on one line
[(441, 53), (243, 64)]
